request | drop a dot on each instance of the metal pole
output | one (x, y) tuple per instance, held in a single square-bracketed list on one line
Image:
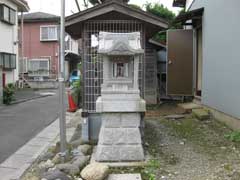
[(62, 110)]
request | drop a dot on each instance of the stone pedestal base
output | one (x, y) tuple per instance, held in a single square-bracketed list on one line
[(120, 138)]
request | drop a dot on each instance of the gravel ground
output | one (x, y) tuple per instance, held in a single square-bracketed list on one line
[(188, 149)]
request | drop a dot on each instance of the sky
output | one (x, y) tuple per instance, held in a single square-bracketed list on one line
[(53, 6)]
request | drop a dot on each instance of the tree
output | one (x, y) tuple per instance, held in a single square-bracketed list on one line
[(135, 6), (163, 12), (95, 2), (160, 11)]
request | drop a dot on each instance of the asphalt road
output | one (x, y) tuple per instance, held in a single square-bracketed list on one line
[(21, 122)]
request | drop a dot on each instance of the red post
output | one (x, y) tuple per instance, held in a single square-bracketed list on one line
[(4, 80)]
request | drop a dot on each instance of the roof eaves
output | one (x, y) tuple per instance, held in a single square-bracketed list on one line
[(114, 5), (197, 13), (68, 18), (40, 20), (22, 5)]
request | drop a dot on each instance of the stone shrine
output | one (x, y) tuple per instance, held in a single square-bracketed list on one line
[(120, 104)]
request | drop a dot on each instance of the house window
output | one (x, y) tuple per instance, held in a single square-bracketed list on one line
[(8, 61), (7, 14), (48, 33), (38, 67), (1, 59)]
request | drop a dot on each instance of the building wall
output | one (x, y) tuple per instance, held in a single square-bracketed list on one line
[(221, 57), (8, 43), (34, 48)]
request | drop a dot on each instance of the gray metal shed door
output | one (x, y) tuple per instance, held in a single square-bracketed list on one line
[(180, 62)]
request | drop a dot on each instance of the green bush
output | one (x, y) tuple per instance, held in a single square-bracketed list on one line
[(8, 94), (77, 92)]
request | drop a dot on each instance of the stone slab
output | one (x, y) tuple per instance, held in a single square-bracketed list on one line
[(120, 164), (189, 106), (201, 114), (124, 177), (121, 153)]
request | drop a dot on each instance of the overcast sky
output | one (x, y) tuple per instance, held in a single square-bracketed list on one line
[(53, 6)]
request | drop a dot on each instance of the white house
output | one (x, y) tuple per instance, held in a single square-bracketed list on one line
[(212, 27), (9, 39)]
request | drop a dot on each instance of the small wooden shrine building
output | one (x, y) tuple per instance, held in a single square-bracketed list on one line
[(118, 17)]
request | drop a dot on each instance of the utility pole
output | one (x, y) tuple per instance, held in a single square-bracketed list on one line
[(62, 109)]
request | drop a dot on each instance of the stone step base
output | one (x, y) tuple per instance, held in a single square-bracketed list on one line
[(188, 107), (120, 105), (120, 153), (201, 114), (120, 138)]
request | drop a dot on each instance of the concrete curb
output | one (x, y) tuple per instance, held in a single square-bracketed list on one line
[(17, 164)]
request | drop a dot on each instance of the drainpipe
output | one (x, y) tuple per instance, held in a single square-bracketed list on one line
[(22, 36)]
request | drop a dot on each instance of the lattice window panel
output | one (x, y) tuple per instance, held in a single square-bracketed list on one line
[(92, 61)]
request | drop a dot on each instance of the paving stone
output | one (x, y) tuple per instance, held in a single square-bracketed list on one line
[(201, 114), (124, 177)]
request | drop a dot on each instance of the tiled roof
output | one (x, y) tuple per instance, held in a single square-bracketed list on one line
[(40, 16)]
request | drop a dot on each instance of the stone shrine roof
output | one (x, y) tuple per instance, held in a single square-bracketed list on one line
[(120, 43)]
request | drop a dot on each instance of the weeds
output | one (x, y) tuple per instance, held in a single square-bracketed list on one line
[(233, 136), (149, 171), (8, 94)]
